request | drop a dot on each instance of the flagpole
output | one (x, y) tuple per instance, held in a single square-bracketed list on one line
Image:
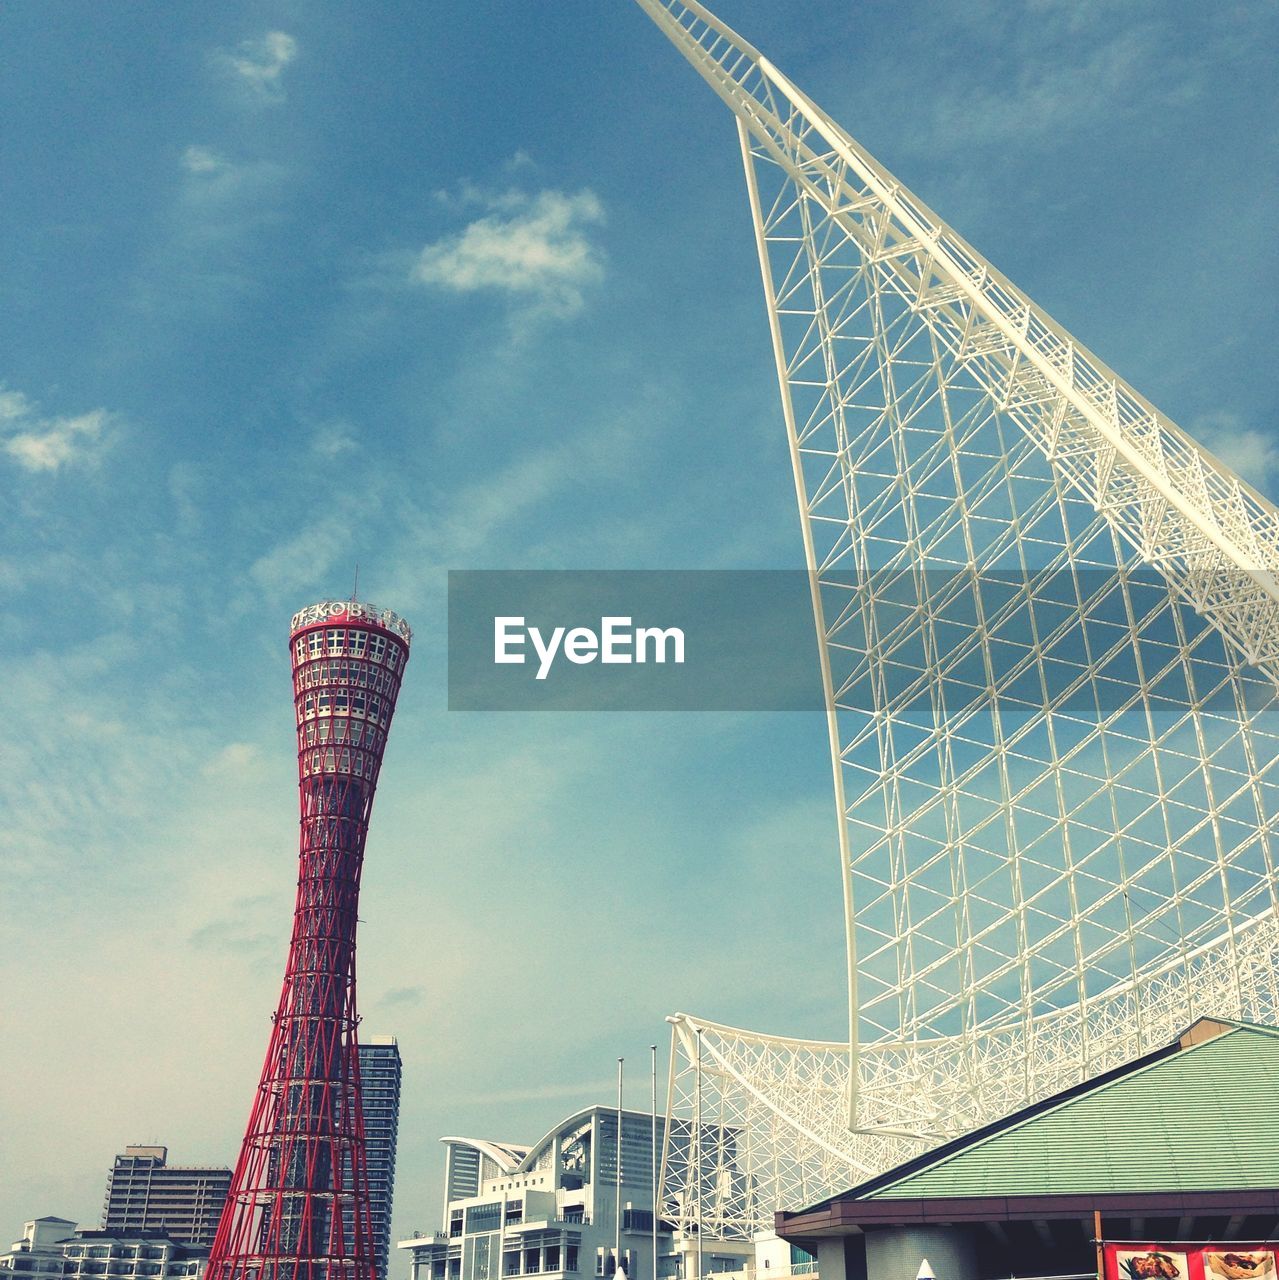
[(652, 1150), (617, 1185), (697, 1168)]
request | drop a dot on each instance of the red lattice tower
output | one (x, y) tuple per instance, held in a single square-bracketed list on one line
[(298, 1207)]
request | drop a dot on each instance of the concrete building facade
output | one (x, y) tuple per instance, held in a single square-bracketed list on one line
[(56, 1249), (561, 1208), (38, 1254), (147, 1194)]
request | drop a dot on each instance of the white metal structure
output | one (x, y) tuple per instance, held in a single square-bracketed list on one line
[(1049, 628)]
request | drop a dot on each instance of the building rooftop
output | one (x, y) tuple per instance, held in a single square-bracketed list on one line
[(1199, 1116)]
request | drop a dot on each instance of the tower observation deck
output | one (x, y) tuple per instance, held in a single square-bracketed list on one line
[(298, 1207)]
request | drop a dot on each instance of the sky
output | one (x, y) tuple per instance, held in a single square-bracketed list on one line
[(291, 286)]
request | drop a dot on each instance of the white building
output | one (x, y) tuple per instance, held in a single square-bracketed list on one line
[(560, 1208), (38, 1255), (56, 1249)]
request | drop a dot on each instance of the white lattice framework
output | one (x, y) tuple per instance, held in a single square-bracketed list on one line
[(1047, 624)]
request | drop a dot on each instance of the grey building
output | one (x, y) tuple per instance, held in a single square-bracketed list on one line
[(380, 1071), (147, 1194)]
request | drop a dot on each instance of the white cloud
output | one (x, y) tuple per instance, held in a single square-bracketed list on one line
[(258, 65), (1051, 95), (236, 759), (536, 248), (1252, 453), (333, 439), (202, 160), (303, 561), (39, 443), (520, 160), (13, 404), (221, 196)]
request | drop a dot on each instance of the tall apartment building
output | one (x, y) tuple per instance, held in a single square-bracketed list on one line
[(380, 1072), (147, 1194)]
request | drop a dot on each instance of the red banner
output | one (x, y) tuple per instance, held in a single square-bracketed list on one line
[(1133, 1261)]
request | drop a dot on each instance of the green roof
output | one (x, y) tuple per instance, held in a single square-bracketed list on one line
[(1205, 1118)]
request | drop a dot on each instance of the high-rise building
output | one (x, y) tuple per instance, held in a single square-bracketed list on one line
[(146, 1193), (298, 1208), (380, 1070)]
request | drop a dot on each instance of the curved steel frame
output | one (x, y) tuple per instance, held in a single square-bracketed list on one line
[(1049, 643)]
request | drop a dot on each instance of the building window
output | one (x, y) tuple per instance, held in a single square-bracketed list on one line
[(570, 1257), (455, 1223), (483, 1217), (801, 1261), (552, 1257), (532, 1262), (514, 1212)]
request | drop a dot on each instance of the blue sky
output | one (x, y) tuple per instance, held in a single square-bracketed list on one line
[(288, 286)]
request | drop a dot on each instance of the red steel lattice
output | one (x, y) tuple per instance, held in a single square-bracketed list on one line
[(298, 1208)]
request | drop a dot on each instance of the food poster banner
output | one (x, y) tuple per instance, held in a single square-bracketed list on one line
[(1130, 1261)]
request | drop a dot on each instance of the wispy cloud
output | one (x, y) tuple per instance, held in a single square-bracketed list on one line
[(302, 561), (1057, 67), (257, 66), (536, 249), (403, 997), (202, 160), (333, 439), (248, 928), (1253, 454), (1047, 96), (214, 179), (205, 251), (581, 1091), (39, 443), (234, 760)]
